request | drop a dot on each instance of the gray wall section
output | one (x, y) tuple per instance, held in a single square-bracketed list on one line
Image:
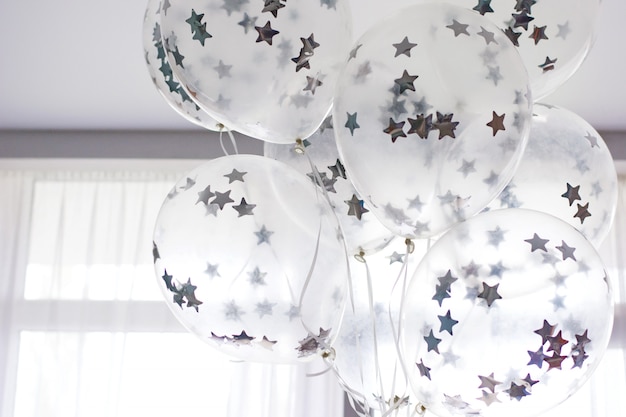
[(156, 144), (121, 144)]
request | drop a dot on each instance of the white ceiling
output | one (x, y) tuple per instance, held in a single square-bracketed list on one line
[(78, 64)]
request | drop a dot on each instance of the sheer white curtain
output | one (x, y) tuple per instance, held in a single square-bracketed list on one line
[(83, 329)]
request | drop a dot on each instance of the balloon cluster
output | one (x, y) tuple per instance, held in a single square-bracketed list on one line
[(418, 220)]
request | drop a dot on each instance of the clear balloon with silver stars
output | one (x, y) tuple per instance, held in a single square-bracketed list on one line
[(266, 69), (164, 79), (431, 102), (552, 37), (249, 258), (566, 171), (508, 314)]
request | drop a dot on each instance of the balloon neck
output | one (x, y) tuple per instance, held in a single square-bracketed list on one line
[(299, 148), (360, 256), (410, 245)]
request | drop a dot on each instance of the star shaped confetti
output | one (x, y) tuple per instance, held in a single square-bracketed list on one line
[(338, 170), (233, 5), (189, 182), (546, 331), (406, 82), (256, 277), (395, 129), (404, 47), (581, 341), (548, 64), (168, 281), (487, 35), (517, 391), (536, 358), (272, 6), (354, 51), (263, 235), (267, 343), (537, 243), (311, 84), (306, 52), (441, 293), (489, 397), (211, 270), (445, 125), (222, 69), (235, 176), (524, 5), (423, 369), (568, 252), (155, 252), (490, 294), (244, 209), (447, 280), (264, 308), (458, 28), (593, 141), (494, 75), (356, 208), (522, 19), (221, 199), (538, 34), (432, 342), (396, 257), (197, 27), (351, 123), (496, 236), (247, 22), (572, 194), (483, 6), (266, 33), (421, 125), (554, 361), (488, 382), (447, 323), (496, 123), (564, 30), (512, 35), (556, 343), (205, 195), (582, 213)]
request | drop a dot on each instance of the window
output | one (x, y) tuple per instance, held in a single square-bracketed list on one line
[(85, 331)]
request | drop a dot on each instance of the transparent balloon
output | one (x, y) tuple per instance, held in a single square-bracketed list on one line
[(567, 171), (362, 230), (248, 258), (266, 69), (552, 37), (366, 359), (508, 314), (162, 75), (431, 116)]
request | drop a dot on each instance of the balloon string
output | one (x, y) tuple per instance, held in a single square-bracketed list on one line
[(222, 144), (402, 276), (370, 300), (232, 139), (314, 374), (300, 149)]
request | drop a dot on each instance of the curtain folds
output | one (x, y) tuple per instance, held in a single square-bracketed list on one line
[(83, 329)]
